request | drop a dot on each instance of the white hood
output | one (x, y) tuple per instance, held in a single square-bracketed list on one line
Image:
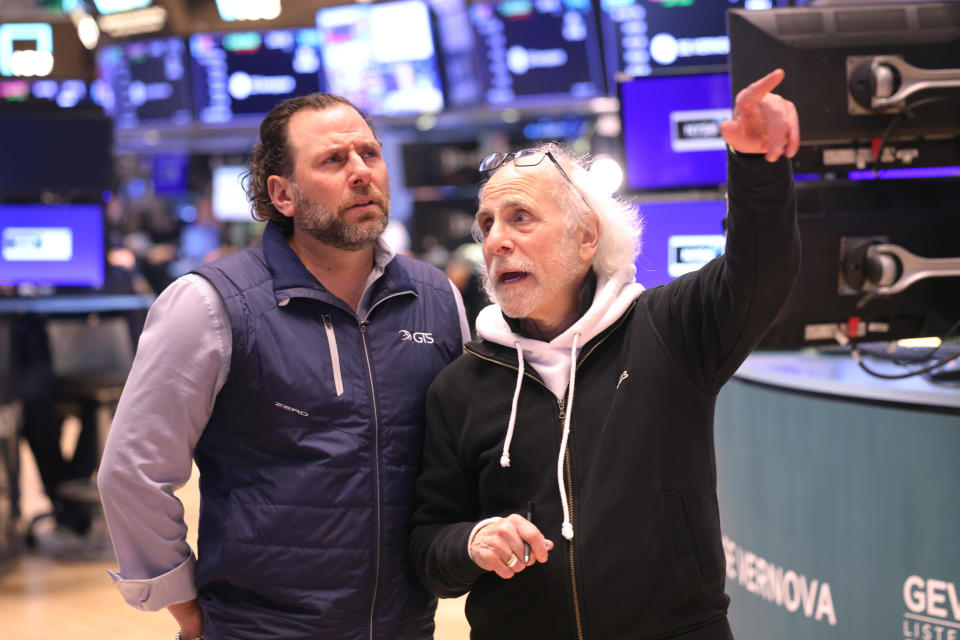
[(555, 361)]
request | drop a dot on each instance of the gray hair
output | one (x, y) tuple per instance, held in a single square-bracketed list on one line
[(619, 223)]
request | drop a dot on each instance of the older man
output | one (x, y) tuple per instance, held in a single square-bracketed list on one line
[(277, 369), (569, 479)]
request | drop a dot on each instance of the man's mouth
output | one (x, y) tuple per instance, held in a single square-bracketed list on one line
[(360, 204), (512, 277)]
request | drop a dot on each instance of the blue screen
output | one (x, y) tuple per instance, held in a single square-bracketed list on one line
[(678, 237), (531, 50), (381, 56), (671, 132), (52, 245), (250, 72)]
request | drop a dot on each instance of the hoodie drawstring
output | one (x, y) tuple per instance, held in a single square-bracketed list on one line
[(567, 528), (505, 457)]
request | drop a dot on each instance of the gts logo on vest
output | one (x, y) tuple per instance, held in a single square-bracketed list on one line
[(418, 337), (291, 409)]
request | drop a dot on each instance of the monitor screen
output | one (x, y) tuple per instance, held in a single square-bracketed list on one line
[(250, 72), (229, 199), (671, 130), (144, 81), (381, 56), (65, 94), (644, 37), (679, 236), (532, 50), (52, 245)]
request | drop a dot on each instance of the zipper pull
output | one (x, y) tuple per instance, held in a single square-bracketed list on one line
[(563, 409)]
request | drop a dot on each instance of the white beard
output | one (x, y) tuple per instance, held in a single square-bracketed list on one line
[(556, 274)]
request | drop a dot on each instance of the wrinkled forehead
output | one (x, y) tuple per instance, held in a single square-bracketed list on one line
[(530, 186)]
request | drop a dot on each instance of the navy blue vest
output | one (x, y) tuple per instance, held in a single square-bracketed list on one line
[(308, 462)]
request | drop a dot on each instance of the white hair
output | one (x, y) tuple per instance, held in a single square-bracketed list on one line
[(618, 221)]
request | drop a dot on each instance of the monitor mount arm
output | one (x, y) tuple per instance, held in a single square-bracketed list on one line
[(883, 83), (872, 265)]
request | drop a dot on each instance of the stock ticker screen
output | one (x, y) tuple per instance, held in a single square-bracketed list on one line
[(249, 72), (649, 37), (535, 49), (144, 81), (382, 57)]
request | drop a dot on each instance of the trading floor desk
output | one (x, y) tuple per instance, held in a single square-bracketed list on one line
[(839, 501)]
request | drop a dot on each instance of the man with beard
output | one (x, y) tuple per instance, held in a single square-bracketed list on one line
[(569, 479), (294, 374)]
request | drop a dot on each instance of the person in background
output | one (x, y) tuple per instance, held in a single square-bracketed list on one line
[(293, 373), (569, 476)]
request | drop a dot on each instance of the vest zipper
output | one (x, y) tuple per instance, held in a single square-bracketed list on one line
[(376, 446), (334, 354), (568, 470), (376, 470)]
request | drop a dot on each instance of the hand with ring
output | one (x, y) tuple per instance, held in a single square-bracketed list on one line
[(498, 546)]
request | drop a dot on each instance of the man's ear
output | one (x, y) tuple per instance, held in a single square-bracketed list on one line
[(281, 194), (588, 237)]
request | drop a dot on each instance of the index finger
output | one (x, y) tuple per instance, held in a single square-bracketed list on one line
[(754, 92)]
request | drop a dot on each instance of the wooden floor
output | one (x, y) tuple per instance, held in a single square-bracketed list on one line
[(47, 599)]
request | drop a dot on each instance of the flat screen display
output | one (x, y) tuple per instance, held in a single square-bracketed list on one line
[(647, 37), (65, 94), (671, 130), (528, 50), (679, 237), (52, 245), (229, 199), (381, 56), (144, 81), (250, 72)]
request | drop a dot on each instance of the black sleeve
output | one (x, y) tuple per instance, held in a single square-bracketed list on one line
[(711, 319), (445, 509)]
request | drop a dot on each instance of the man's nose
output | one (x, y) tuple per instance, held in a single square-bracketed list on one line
[(498, 241), (360, 172)]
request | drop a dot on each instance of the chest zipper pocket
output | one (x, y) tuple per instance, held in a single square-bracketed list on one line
[(334, 354)]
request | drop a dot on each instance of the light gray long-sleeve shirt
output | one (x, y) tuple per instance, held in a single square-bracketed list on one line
[(182, 362)]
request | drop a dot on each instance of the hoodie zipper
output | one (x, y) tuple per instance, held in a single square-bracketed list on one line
[(568, 470)]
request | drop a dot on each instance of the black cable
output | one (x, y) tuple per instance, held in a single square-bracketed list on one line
[(908, 113), (855, 353)]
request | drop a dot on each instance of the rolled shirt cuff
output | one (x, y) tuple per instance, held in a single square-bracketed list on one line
[(153, 594)]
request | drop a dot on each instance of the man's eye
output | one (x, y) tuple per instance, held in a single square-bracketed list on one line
[(334, 158)]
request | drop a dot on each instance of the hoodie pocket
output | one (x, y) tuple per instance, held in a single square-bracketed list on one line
[(334, 353), (691, 584)]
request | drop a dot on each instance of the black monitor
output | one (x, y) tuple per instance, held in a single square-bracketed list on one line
[(144, 81), (843, 223), (848, 68), (66, 152), (671, 131), (52, 245), (533, 52), (382, 57), (247, 73)]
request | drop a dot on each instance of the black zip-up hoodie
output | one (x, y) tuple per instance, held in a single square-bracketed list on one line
[(639, 474)]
